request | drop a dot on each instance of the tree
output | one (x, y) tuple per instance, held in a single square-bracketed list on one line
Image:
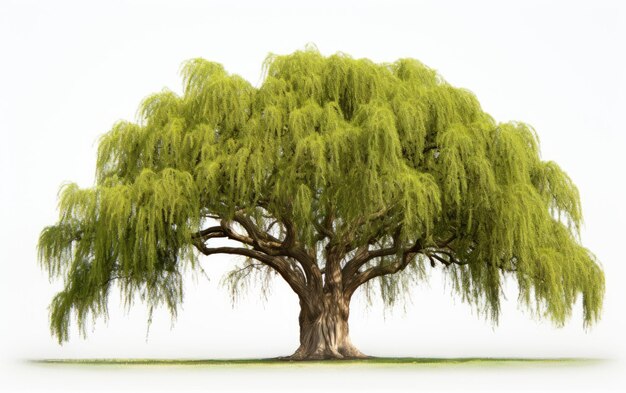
[(335, 173)]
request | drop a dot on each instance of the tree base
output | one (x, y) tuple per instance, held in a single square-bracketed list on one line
[(345, 352), (324, 332), (301, 357)]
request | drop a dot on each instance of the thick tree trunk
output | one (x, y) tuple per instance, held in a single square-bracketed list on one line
[(324, 332)]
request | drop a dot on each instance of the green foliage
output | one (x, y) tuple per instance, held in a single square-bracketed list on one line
[(323, 136)]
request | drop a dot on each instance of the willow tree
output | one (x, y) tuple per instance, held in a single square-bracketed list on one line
[(335, 174)]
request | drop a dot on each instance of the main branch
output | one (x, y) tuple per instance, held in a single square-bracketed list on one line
[(288, 257), (291, 276)]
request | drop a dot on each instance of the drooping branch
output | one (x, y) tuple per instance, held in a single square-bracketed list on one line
[(260, 238), (289, 247), (292, 255), (282, 266)]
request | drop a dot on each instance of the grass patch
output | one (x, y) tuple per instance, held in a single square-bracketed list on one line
[(374, 361)]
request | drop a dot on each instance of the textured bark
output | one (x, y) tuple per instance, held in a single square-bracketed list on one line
[(324, 332)]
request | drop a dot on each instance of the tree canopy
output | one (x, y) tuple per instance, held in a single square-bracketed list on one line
[(333, 167)]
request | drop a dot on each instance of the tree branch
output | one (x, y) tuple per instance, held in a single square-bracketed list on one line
[(364, 256), (261, 239), (382, 270), (268, 244), (215, 231), (298, 260), (294, 280), (361, 258)]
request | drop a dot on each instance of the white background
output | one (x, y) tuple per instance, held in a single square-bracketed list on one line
[(69, 70)]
